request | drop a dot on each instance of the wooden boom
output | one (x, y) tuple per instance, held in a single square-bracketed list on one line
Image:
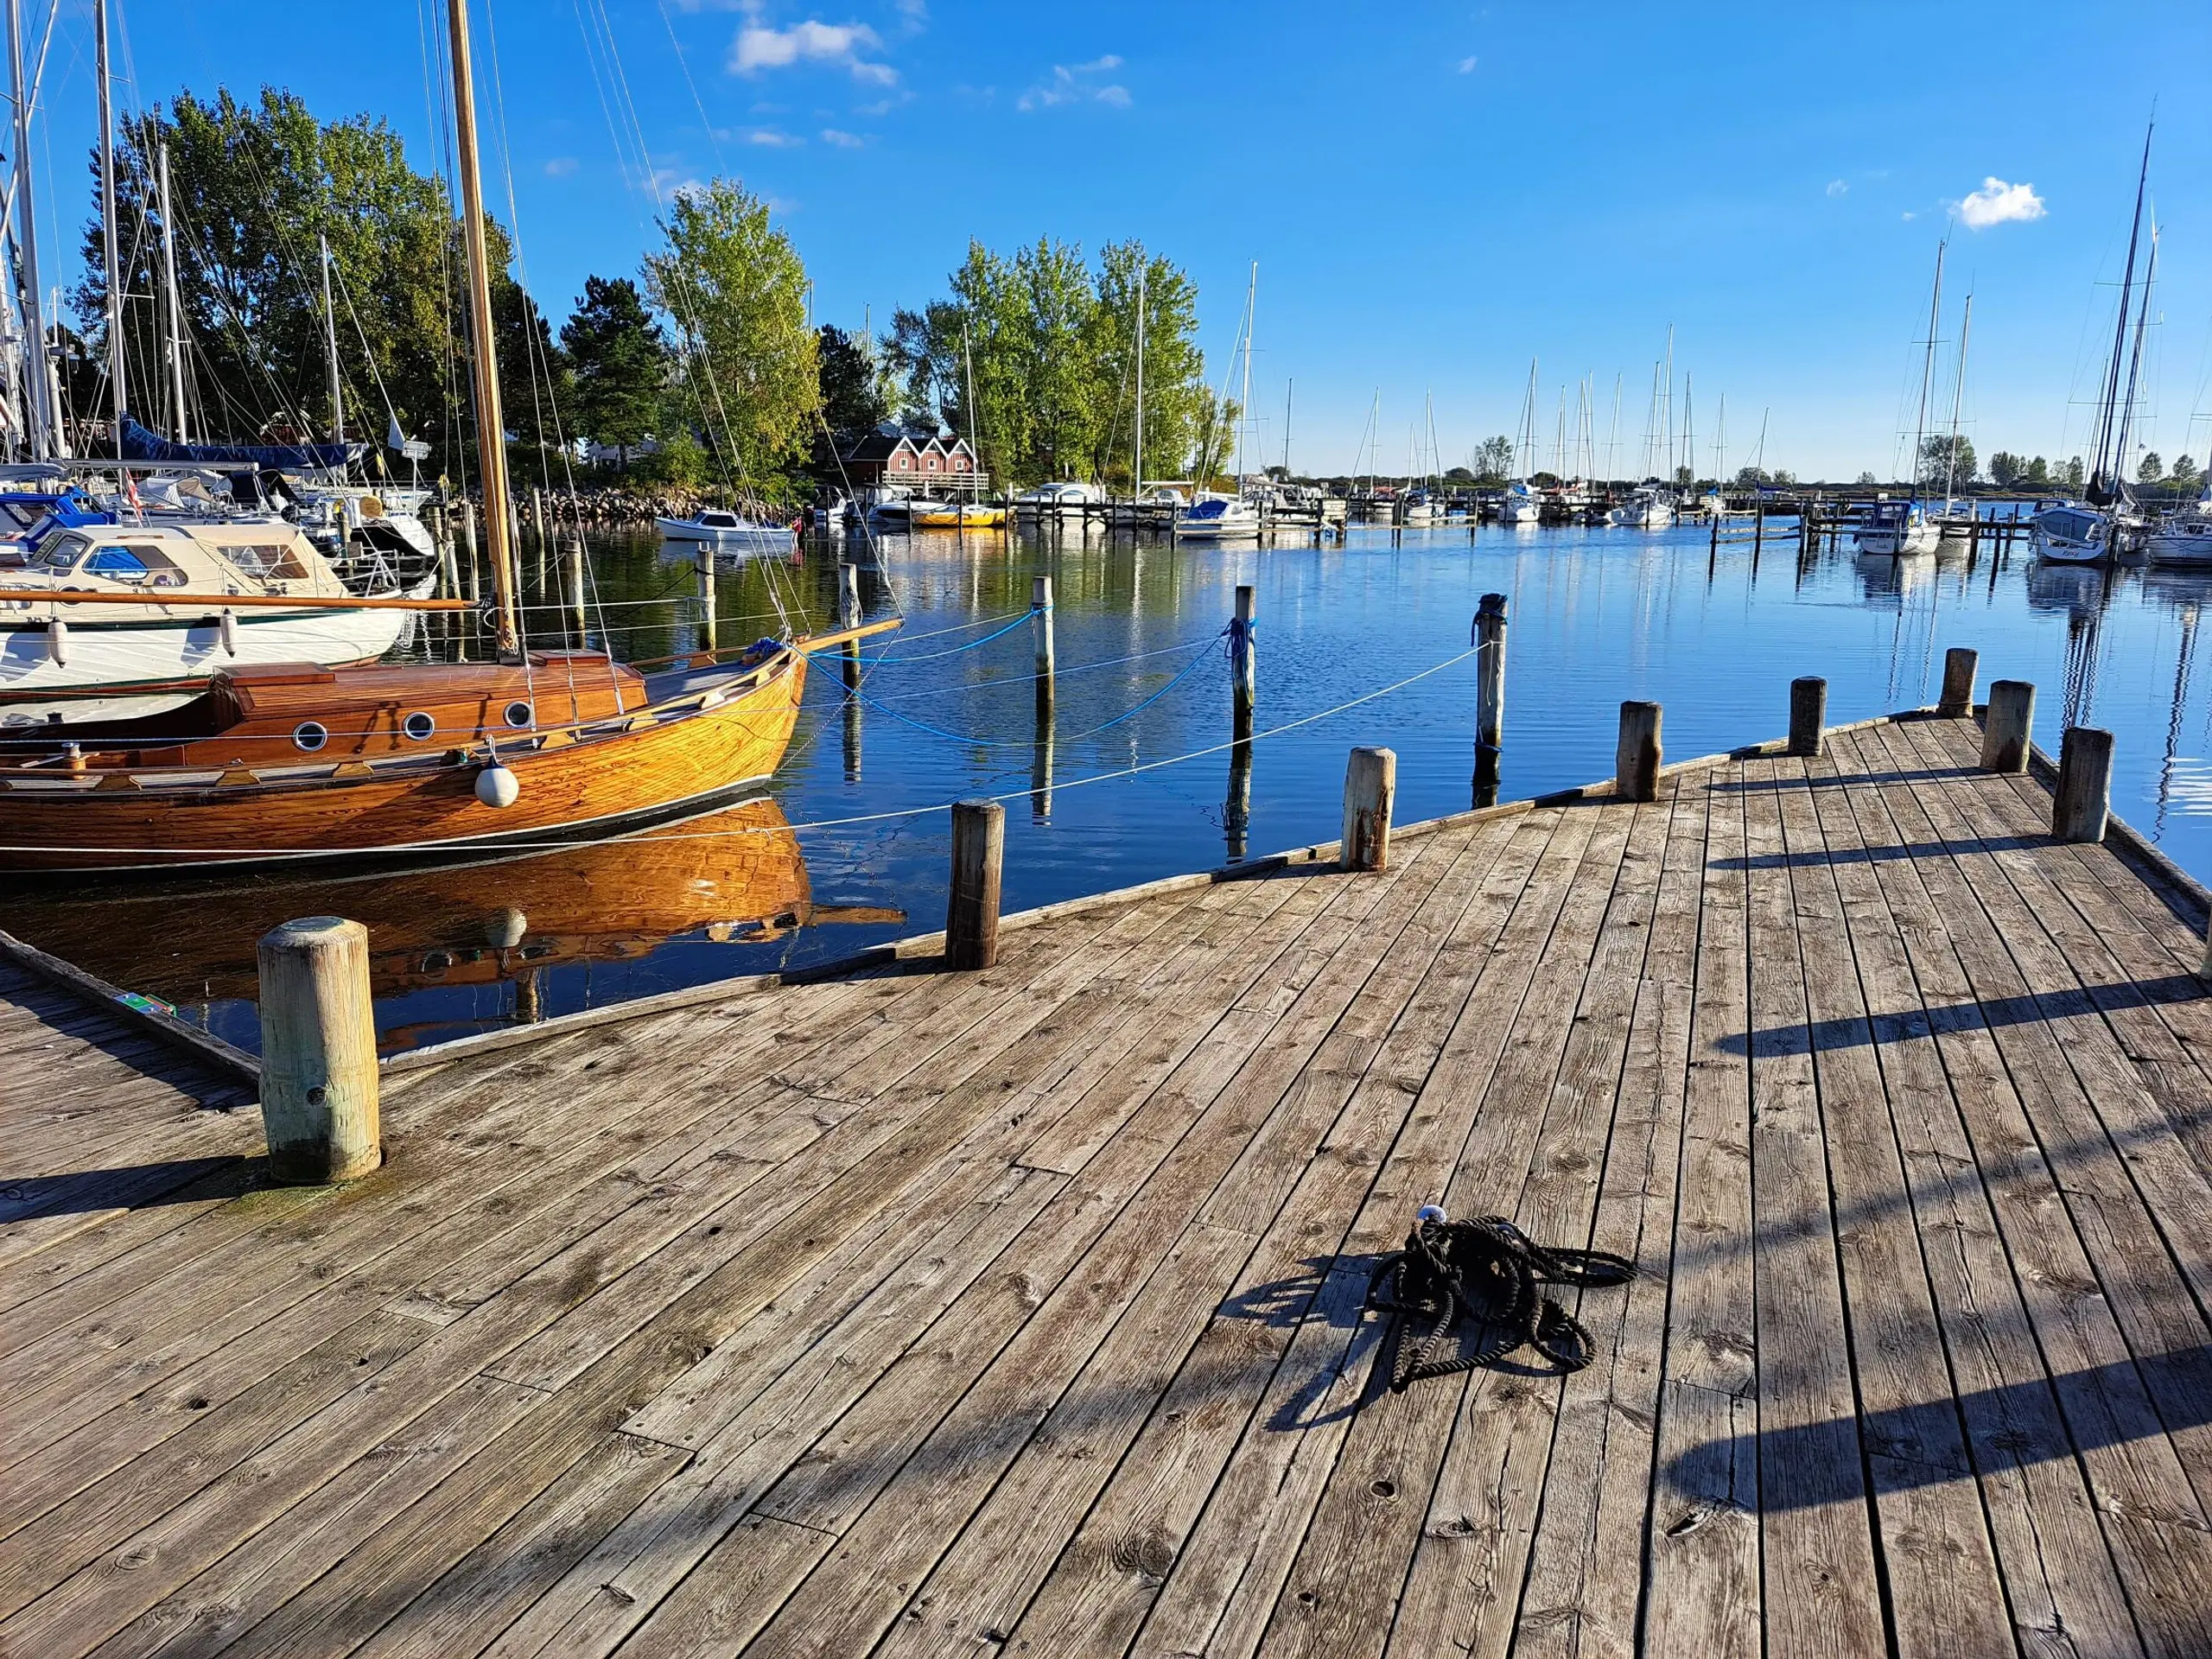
[(239, 602)]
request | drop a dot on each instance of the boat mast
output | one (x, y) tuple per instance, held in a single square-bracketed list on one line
[(1928, 366), (2104, 461), (1667, 405), (1435, 458), (39, 402), (330, 350), (1288, 386), (1958, 394), (1688, 462), (2134, 369), (173, 340), (1136, 461), (1526, 456), (107, 224), (491, 425), (1244, 412), (1613, 433)]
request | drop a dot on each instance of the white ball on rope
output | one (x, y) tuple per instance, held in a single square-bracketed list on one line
[(497, 787)]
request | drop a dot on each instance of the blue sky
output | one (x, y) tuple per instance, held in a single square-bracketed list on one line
[(1433, 193)]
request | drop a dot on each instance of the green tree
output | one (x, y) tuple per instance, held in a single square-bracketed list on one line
[(2037, 474), (620, 359), (2071, 474), (2004, 468), (852, 403), (535, 382), (1866, 478), (733, 290), (1494, 460), (2152, 469), (2184, 476), (1939, 468), (1177, 403), (1215, 438)]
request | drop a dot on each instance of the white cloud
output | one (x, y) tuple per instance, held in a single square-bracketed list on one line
[(1837, 187), (1467, 65), (914, 14), (843, 140), (560, 167), (769, 138), (1998, 202), (757, 47), (1077, 84)]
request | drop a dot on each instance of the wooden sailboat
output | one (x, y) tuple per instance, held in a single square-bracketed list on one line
[(292, 762)]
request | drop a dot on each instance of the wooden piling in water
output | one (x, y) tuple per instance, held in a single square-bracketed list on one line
[(2005, 732), (2082, 800), (706, 566), (1637, 757), (1370, 785), (1243, 663), (1041, 625), (849, 616), (1809, 716), (971, 916), (1956, 703), (318, 1053)]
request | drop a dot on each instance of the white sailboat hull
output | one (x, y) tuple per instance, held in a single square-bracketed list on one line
[(122, 670), (1899, 541), (2185, 542)]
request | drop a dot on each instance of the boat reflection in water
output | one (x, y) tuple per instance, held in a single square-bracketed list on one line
[(445, 943)]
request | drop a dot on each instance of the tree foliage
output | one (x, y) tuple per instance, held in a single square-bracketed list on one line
[(619, 358), (1049, 343), (2185, 475), (2152, 468), (1940, 466), (1494, 460), (257, 188), (733, 290)]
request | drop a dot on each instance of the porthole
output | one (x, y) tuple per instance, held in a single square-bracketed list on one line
[(419, 726), (519, 714), (310, 735)]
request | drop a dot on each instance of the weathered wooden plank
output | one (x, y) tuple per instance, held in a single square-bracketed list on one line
[(1938, 1561), (1702, 1562), (1581, 1597), (1816, 1547)]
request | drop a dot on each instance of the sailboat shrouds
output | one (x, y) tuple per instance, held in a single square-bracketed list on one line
[(2108, 524), (281, 763)]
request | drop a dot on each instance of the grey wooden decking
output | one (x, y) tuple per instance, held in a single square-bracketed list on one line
[(1018, 1313)]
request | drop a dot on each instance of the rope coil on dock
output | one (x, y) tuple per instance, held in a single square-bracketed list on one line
[(1484, 1273)]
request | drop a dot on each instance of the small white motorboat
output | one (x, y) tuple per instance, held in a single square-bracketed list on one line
[(1896, 529), (1218, 518), (2182, 537), (1518, 505), (727, 532), (1646, 508)]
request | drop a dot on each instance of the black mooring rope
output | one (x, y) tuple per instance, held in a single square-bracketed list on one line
[(1486, 1272)]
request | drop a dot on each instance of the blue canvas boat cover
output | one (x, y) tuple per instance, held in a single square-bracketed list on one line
[(141, 443)]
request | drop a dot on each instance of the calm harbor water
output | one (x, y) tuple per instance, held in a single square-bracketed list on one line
[(841, 856)]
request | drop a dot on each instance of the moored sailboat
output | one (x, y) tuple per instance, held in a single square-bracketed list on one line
[(291, 762)]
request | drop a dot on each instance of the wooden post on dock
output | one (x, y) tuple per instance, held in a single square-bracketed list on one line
[(2004, 731), (1957, 700), (971, 916), (1243, 662), (1809, 716), (318, 1053), (705, 562), (1637, 757), (1370, 785), (2083, 798), (577, 588), (1041, 626)]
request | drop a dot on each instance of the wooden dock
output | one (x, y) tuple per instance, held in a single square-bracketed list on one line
[(1020, 1312)]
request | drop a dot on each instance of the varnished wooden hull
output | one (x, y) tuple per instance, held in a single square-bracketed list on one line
[(594, 783)]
